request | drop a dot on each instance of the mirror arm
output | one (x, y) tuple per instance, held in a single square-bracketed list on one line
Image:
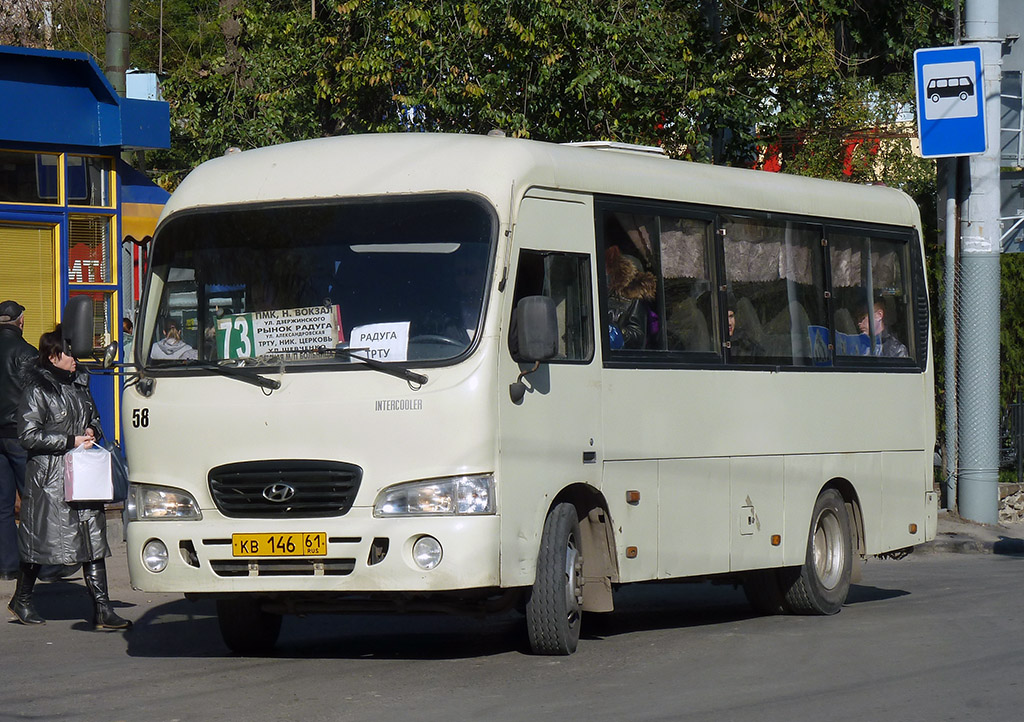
[(517, 390)]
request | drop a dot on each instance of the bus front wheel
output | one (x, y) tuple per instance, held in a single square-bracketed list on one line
[(554, 605), (820, 586), (245, 627)]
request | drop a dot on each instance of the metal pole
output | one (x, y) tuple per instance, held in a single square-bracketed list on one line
[(952, 166), (160, 52), (1017, 419), (117, 44), (978, 378)]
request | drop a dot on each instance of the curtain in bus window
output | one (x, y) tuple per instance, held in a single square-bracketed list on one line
[(639, 229), (689, 300), (775, 281), (870, 288)]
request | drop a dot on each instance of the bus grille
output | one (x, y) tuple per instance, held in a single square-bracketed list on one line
[(284, 488), (282, 567)]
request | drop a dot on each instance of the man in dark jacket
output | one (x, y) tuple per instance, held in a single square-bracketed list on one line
[(873, 320), (16, 355)]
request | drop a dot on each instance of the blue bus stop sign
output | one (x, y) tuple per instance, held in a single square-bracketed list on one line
[(950, 101)]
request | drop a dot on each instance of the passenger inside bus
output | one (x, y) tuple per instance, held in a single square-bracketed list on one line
[(745, 332), (631, 289), (171, 346), (872, 322)]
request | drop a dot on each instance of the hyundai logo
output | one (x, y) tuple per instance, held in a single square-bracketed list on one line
[(278, 493)]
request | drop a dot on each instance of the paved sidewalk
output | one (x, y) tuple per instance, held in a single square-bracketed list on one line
[(960, 536)]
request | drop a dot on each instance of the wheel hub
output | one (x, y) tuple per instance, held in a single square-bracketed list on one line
[(828, 550), (573, 580)]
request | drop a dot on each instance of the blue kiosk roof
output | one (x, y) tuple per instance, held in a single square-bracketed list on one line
[(136, 187), (58, 98)]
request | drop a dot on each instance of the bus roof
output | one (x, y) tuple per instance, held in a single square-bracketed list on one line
[(498, 167)]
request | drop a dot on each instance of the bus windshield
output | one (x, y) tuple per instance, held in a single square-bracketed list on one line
[(393, 280)]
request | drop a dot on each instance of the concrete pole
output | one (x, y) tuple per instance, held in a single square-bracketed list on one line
[(116, 64), (978, 347)]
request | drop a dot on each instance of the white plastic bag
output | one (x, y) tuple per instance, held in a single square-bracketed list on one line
[(87, 475)]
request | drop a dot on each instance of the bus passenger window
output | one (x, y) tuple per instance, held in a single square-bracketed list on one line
[(689, 301), (565, 278), (871, 289), (777, 267)]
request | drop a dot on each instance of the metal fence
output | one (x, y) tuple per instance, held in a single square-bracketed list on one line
[(1011, 437)]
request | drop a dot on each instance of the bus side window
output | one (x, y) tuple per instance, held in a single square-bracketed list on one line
[(871, 285), (778, 266), (565, 278), (686, 273)]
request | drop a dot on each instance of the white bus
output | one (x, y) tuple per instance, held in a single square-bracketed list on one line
[(430, 372)]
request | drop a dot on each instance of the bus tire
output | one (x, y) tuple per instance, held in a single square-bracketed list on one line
[(554, 604), (245, 627), (822, 583)]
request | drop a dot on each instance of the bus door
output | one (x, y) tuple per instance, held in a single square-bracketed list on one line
[(550, 438)]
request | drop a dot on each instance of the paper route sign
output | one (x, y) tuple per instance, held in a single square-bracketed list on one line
[(278, 332)]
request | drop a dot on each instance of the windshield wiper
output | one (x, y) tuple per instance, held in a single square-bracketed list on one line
[(389, 369), (237, 372), (251, 377)]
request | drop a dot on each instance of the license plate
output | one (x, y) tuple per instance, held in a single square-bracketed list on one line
[(299, 544)]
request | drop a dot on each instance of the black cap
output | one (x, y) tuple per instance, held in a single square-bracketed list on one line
[(10, 311)]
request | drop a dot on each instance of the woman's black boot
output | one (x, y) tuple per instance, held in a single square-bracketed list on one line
[(21, 603), (96, 580)]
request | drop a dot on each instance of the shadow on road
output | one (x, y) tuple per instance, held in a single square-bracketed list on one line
[(668, 605), (1009, 546), (860, 593), (189, 629)]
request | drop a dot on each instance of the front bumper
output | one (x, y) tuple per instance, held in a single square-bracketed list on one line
[(364, 554)]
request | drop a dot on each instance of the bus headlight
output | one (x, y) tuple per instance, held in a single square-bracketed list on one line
[(160, 502), (446, 497)]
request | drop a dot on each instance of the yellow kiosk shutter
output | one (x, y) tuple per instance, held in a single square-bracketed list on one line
[(28, 275)]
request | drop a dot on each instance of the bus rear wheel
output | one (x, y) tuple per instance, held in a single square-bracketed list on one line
[(554, 605), (820, 586), (245, 627)]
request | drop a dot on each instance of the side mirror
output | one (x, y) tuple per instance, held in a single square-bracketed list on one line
[(77, 326), (537, 333), (110, 355)]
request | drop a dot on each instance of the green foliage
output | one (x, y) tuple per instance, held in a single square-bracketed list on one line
[(1011, 334), (708, 80)]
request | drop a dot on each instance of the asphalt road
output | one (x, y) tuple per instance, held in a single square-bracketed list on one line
[(932, 637)]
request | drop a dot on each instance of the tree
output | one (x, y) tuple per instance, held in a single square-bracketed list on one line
[(708, 80), (28, 23)]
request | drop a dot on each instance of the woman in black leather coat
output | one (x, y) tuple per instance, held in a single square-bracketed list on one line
[(57, 413), (630, 290)]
